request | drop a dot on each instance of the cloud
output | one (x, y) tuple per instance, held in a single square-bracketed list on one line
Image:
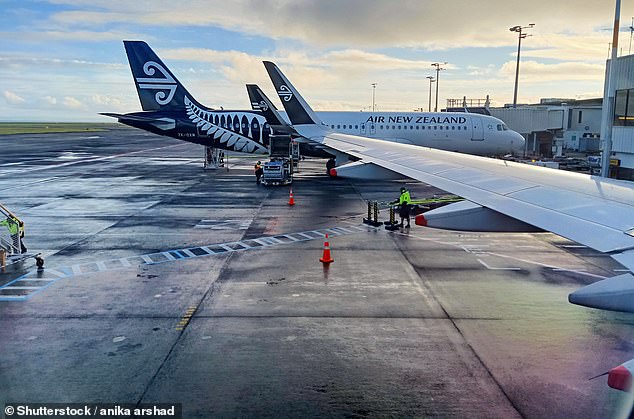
[(13, 98), (55, 36), (535, 72), (50, 100), (72, 103), (364, 23)]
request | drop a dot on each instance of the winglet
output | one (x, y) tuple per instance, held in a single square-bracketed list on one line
[(298, 111)]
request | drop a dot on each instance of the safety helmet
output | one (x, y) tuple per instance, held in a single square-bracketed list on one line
[(403, 189), (259, 162)]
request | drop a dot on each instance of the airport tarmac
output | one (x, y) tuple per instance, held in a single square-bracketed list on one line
[(168, 283)]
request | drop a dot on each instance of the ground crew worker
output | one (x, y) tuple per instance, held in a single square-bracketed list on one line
[(21, 229), (13, 225), (259, 171), (404, 203), (330, 164)]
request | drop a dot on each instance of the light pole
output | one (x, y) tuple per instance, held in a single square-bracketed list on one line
[(521, 35), (431, 80), (373, 93), (438, 68)]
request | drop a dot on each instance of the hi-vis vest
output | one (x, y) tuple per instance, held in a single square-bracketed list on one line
[(404, 198), (12, 225)]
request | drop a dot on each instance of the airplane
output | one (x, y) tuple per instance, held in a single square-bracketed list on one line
[(170, 110), (499, 196)]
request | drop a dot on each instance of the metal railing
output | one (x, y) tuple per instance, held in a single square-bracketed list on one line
[(10, 243)]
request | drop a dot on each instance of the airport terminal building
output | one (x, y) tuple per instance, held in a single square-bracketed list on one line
[(623, 118), (555, 126)]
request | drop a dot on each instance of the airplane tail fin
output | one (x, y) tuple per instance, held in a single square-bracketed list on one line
[(157, 87), (260, 102), (298, 111)]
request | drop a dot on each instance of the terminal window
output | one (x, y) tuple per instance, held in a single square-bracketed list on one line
[(624, 108)]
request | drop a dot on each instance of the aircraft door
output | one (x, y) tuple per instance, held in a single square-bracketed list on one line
[(362, 130), (372, 128), (477, 129)]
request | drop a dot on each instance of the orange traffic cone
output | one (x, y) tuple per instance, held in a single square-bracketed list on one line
[(326, 258), (291, 200)]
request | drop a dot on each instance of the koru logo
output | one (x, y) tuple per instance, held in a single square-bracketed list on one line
[(263, 106), (163, 83), (285, 93)]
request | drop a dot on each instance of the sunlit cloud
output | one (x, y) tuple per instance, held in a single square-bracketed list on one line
[(13, 98)]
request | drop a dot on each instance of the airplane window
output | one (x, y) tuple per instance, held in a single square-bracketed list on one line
[(338, 126), (356, 127), (423, 127), (381, 127), (371, 126), (393, 126), (362, 126), (453, 128), (435, 127), (411, 127), (332, 126), (399, 127), (417, 127), (404, 126)]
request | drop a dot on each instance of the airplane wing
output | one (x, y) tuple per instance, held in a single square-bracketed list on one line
[(593, 211)]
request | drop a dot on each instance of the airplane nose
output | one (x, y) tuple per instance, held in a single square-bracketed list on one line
[(518, 142)]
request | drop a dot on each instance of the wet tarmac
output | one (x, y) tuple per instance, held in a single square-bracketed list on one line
[(168, 283)]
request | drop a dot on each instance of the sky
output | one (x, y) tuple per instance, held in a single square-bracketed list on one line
[(63, 60)]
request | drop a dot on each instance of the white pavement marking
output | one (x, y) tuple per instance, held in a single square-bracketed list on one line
[(532, 262), (168, 255), (38, 279), (65, 272), (486, 265), (56, 273), (188, 253)]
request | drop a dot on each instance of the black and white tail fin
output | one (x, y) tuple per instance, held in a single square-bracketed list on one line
[(157, 87), (261, 102), (298, 111)]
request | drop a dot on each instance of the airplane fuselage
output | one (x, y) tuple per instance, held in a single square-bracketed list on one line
[(248, 131), (452, 131)]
